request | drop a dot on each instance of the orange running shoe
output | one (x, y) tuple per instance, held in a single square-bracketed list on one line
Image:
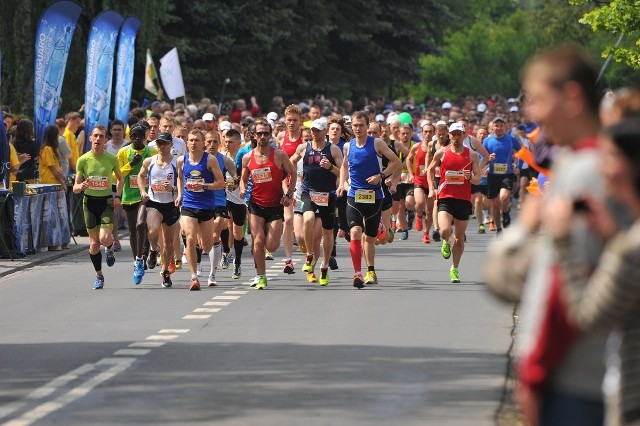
[(492, 227), (172, 267), (425, 238), (419, 223), (195, 284)]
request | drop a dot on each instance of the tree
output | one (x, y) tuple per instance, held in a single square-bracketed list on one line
[(620, 17)]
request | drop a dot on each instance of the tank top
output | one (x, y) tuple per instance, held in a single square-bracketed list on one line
[(267, 181), (130, 190), (363, 163), (158, 176), (220, 195), (200, 173), (453, 184), (419, 167), (290, 146), (404, 176), (316, 178)]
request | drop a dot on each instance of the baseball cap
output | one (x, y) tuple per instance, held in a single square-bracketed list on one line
[(272, 116), (511, 101), (380, 118), (456, 127), (514, 109), (347, 119), (319, 124), (495, 120), (392, 117), (208, 117), (164, 137), (137, 130), (446, 105), (224, 125), (481, 108)]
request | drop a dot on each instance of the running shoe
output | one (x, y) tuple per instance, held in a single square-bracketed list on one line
[(341, 233), (333, 263), (244, 242), (324, 276), (410, 218), (267, 255), (288, 267), (211, 282), (302, 248), (224, 262), (404, 235), (237, 272), (255, 281), (195, 284), (138, 271), (506, 219), (358, 281), (371, 278), (166, 279), (425, 238), (311, 277), (177, 263), (160, 264), (481, 229), (144, 263), (231, 258), (419, 225), (391, 234), (153, 259), (199, 270), (308, 264), (111, 258), (436, 235), (184, 259), (492, 227), (117, 247), (262, 283), (172, 267), (445, 249), (455, 275), (99, 283)]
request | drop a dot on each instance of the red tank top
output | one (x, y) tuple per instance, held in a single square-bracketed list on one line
[(419, 178), (267, 181), (290, 146), (453, 184)]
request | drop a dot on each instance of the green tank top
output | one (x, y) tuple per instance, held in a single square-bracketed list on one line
[(130, 191)]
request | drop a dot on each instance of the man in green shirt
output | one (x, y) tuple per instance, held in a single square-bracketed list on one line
[(94, 172)]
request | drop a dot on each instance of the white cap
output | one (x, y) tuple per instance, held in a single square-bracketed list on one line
[(481, 108), (319, 124), (456, 126), (224, 125), (514, 109), (511, 101), (380, 118), (446, 105), (441, 123), (424, 123), (272, 116), (392, 117), (208, 117), (346, 118)]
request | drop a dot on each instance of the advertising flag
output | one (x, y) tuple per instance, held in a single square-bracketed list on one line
[(171, 74), (100, 56), (150, 75), (53, 40), (124, 66)]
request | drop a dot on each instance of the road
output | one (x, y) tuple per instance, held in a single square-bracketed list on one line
[(413, 350)]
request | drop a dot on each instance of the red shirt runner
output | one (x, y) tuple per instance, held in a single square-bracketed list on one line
[(290, 146), (267, 181), (419, 168), (453, 183)]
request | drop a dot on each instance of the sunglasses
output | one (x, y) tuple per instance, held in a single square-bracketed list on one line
[(263, 133)]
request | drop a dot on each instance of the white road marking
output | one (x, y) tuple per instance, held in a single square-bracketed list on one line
[(226, 298), (217, 303), (207, 310), (188, 317), (174, 331), (147, 344), (271, 275), (236, 292), (162, 337), (275, 267), (131, 352)]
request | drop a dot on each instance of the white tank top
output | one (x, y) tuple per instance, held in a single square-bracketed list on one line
[(158, 177)]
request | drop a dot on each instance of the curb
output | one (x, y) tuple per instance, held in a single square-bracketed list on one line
[(71, 251)]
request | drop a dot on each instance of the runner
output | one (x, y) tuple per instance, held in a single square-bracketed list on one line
[(116, 142), (198, 175), (363, 166), (162, 213), (501, 172), (418, 175), (479, 192), (93, 177), (227, 166), (130, 160), (266, 166), (385, 230), (405, 187), (337, 134), (440, 140), (460, 168), (320, 174)]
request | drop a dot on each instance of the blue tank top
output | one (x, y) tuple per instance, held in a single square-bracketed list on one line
[(364, 163), (220, 195), (316, 178), (203, 200)]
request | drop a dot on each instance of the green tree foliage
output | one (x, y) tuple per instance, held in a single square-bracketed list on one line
[(619, 17)]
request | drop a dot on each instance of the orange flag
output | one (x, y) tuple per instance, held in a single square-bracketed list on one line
[(527, 156)]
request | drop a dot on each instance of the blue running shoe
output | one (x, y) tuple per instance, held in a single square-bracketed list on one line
[(138, 271), (111, 258), (99, 284), (404, 235)]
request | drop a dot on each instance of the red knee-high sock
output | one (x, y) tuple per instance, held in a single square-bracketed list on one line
[(355, 247)]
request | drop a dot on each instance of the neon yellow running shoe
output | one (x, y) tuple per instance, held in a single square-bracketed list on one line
[(262, 283), (324, 276), (445, 249), (455, 275), (371, 278), (311, 277)]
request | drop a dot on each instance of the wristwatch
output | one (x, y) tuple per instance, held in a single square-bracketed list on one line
[(289, 196), (382, 176)]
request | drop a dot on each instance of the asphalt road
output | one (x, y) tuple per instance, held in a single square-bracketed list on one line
[(413, 350)]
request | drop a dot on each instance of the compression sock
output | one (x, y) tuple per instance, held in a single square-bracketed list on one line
[(355, 247), (96, 259), (238, 245), (215, 255), (224, 237)]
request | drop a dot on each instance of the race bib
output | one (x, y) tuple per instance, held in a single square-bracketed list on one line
[(98, 183), (133, 181), (453, 177), (500, 168), (438, 171), (158, 186), (365, 196), (261, 175), (191, 183), (320, 198)]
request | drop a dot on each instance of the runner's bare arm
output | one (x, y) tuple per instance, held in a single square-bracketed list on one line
[(431, 170), (179, 166), (80, 184), (476, 174), (231, 167), (395, 165), (299, 154), (280, 138), (344, 171), (486, 157), (244, 179), (401, 148), (142, 175), (218, 179), (337, 158), (409, 160), (288, 167)]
